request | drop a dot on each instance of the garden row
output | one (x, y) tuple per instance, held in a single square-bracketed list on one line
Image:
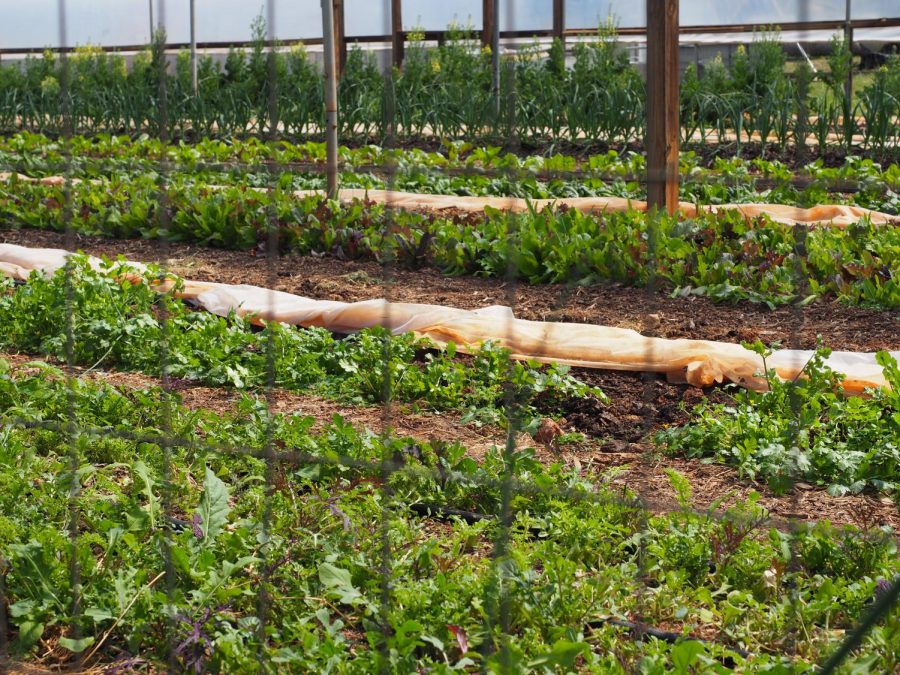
[(462, 169), (847, 444), (723, 256), (219, 541), (447, 92)]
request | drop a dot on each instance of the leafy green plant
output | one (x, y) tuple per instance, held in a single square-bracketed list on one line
[(802, 430), (258, 556), (462, 168), (118, 324), (442, 92), (723, 256)]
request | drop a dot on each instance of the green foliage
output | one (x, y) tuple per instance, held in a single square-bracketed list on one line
[(802, 430), (305, 545), (460, 169), (723, 256), (840, 62), (444, 92), (119, 324)]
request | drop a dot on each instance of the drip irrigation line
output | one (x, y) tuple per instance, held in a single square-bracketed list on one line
[(445, 514), (638, 630)]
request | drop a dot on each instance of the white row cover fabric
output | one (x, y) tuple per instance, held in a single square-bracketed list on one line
[(838, 215), (832, 214), (698, 362)]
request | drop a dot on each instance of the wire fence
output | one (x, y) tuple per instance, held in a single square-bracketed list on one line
[(505, 498)]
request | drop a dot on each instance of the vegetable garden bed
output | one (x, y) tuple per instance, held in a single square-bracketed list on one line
[(228, 494)]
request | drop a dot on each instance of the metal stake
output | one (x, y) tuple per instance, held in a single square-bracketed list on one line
[(848, 39), (495, 57), (194, 47), (331, 104)]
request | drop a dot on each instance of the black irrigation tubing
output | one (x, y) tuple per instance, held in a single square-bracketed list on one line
[(446, 514), (276, 168), (639, 630)]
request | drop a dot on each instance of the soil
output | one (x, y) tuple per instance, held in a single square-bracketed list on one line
[(640, 404)]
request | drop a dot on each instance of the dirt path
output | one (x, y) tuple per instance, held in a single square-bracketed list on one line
[(621, 463), (840, 327)]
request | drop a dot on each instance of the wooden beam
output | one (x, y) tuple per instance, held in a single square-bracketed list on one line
[(340, 38), (559, 19), (662, 104), (856, 24), (487, 22), (398, 43)]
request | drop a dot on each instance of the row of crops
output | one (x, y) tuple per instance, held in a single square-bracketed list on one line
[(120, 193), (115, 326), (146, 525), (460, 168), (446, 92)]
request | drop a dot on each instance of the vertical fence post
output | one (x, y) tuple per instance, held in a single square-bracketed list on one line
[(559, 20), (150, 6), (340, 38), (194, 47), (492, 22), (487, 22), (331, 104), (848, 40), (662, 104), (397, 42)]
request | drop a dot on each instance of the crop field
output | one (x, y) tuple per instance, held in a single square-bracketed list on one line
[(191, 489)]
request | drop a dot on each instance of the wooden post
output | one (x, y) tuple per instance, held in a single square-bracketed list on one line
[(559, 20), (487, 22), (662, 104), (397, 41), (340, 38)]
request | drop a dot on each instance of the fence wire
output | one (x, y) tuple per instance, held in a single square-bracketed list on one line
[(188, 648)]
